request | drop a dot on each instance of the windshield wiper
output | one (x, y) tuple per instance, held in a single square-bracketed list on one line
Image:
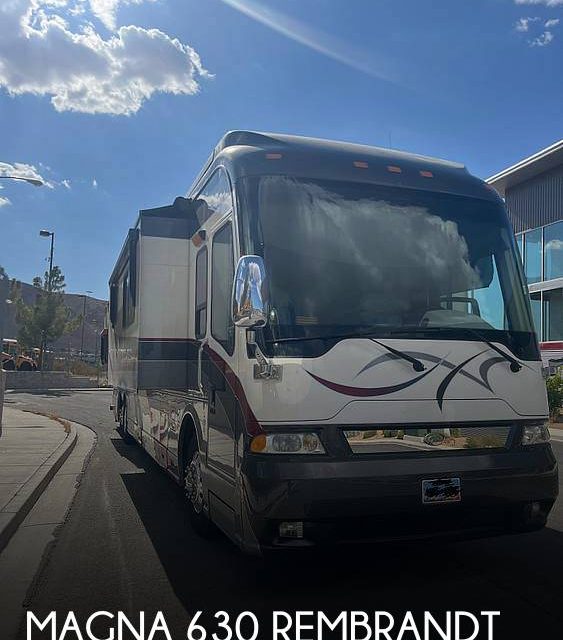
[(515, 366), (417, 364)]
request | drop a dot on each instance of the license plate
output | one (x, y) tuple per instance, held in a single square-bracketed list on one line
[(441, 490)]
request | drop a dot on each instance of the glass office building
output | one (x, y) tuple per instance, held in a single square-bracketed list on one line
[(533, 191)]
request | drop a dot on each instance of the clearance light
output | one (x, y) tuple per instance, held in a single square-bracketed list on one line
[(394, 169), (360, 164), (199, 238), (273, 156), (426, 174), (292, 443)]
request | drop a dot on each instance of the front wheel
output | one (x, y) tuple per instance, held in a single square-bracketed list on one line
[(193, 486)]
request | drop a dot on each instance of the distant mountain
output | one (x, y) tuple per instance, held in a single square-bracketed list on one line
[(94, 320)]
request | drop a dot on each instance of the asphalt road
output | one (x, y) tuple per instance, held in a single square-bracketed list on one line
[(127, 546)]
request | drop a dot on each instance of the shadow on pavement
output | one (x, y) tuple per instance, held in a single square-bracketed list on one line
[(521, 576)]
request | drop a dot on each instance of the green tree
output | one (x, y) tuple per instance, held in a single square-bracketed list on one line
[(48, 318), (555, 395)]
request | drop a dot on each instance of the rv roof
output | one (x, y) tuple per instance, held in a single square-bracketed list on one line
[(276, 140), (244, 143)]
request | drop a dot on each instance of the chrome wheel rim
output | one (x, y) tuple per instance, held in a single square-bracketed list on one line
[(194, 483)]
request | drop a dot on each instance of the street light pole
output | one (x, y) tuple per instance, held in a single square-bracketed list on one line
[(44, 233), (51, 260)]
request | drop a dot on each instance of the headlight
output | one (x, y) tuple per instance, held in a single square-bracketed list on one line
[(535, 434), (287, 443)]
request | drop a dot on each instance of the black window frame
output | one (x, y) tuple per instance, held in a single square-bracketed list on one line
[(229, 344), (201, 305)]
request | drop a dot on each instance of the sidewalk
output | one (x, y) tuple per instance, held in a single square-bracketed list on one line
[(32, 449)]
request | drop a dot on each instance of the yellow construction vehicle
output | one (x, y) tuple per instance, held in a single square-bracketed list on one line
[(14, 358)]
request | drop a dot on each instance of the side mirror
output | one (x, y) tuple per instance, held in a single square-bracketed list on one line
[(249, 296)]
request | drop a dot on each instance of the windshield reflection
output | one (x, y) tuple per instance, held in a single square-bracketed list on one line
[(345, 257)]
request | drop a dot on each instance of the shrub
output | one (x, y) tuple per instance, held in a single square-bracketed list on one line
[(555, 395)]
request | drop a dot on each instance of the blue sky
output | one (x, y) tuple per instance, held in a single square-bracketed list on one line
[(117, 103)]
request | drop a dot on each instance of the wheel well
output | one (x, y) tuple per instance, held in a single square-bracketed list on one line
[(188, 432)]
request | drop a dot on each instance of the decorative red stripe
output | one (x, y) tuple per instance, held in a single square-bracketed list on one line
[(252, 425), (551, 346)]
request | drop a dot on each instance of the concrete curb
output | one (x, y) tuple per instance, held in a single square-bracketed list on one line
[(21, 504)]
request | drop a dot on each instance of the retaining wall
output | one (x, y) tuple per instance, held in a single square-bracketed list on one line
[(46, 380)]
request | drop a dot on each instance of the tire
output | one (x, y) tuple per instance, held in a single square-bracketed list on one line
[(194, 491), (125, 435), (8, 365), (25, 366)]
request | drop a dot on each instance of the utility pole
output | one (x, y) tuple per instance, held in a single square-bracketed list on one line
[(50, 285), (44, 233)]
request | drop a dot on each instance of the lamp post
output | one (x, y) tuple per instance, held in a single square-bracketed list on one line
[(83, 321), (44, 233)]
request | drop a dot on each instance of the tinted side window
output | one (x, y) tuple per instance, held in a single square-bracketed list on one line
[(222, 273), (201, 293), (125, 297), (215, 197)]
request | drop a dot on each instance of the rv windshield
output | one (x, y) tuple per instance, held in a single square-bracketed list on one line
[(345, 258)]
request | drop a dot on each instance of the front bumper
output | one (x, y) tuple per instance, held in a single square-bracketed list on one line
[(363, 499)]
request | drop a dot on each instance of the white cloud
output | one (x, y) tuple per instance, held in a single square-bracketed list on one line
[(4, 201), (94, 183), (22, 170), (83, 71), (66, 184), (547, 3), (523, 24), (106, 10), (542, 40), (553, 22)]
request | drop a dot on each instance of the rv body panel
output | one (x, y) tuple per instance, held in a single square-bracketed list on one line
[(360, 373)]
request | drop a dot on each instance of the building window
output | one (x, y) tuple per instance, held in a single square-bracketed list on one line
[(553, 251), (520, 244), (553, 315), (535, 302), (533, 255)]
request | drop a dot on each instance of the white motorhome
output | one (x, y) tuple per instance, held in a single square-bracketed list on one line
[(328, 342)]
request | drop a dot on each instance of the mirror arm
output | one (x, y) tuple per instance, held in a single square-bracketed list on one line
[(265, 369)]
